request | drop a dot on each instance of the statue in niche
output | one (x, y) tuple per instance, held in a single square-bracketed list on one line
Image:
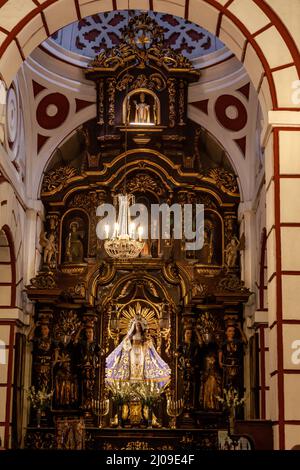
[(67, 331), (135, 359), (188, 364), (66, 384), (231, 356), (43, 348), (74, 244), (89, 352), (210, 383), (142, 111), (232, 249), (207, 251), (207, 333)]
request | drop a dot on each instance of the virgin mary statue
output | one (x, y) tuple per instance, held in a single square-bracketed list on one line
[(135, 358)]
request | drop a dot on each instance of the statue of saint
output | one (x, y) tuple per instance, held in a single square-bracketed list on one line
[(207, 251), (43, 350), (66, 384), (74, 245), (188, 364), (211, 383), (49, 247), (210, 375), (135, 359), (232, 249), (231, 356), (89, 351), (142, 111)]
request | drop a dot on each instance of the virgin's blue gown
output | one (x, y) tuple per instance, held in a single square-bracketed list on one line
[(118, 364)]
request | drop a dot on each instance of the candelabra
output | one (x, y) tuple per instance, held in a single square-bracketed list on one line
[(100, 408), (174, 409)]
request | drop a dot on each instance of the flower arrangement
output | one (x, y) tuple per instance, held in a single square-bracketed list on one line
[(124, 391), (39, 399), (121, 391), (231, 399), (149, 392)]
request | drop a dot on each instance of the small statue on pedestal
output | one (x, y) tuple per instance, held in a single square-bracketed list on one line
[(188, 363), (74, 246), (89, 352), (49, 247), (66, 384), (210, 383), (231, 356), (142, 111), (43, 350)]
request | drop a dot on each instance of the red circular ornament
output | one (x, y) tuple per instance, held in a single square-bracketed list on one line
[(232, 123), (52, 120)]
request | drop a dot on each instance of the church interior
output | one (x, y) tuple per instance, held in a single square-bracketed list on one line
[(124, 333)]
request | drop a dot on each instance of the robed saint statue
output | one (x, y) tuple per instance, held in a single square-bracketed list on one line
[(135, 359)]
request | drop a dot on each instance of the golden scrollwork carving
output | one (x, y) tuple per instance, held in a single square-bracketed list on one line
[(199, 289), (132, 48), (206, 200), (44, 281), (197, 155), (106, 272), (73, 270), (79, 290), (124, 83), (111, 101), (223, 179), (56, 180), (171, 272), (154, 82), (172, 98), (137, 445), (143, 182), (181, 103), (101, 102), (232, 283)]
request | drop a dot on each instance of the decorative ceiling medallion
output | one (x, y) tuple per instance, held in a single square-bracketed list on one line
[(52, 111)]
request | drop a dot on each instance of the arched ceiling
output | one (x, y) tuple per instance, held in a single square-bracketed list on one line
[(56, 99), (257, 33), (102, 31)]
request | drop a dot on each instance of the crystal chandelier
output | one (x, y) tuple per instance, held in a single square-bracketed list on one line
[(126, 241)]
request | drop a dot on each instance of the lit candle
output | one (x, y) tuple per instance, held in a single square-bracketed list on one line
[(131, 230), (116, 229), (140, 232)]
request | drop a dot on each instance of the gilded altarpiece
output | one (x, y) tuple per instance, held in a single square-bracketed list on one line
[(190, 302)]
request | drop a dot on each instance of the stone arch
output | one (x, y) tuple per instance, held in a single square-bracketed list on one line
[(7, 303), (12, 229), (249, 28), (7, 268)]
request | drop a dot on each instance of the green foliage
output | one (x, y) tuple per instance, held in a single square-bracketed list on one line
[(39, 399)]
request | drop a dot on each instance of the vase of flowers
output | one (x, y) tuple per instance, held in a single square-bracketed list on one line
[(150, 394), (231, 401), (121, 393), (40, 400)]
